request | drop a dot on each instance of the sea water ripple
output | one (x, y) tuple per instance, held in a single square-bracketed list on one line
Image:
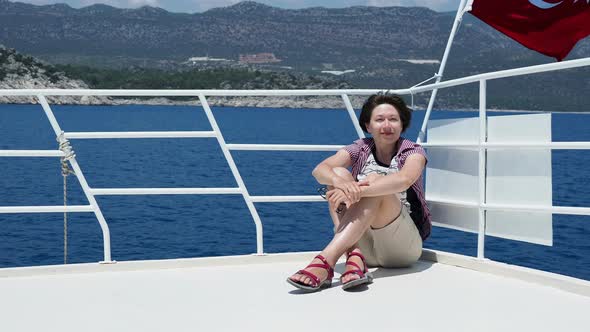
[(173, 226)]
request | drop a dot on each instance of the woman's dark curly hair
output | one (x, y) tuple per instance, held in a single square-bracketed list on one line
[(405, 113)]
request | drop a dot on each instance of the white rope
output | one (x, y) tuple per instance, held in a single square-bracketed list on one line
[(435, 76), (66, 148)]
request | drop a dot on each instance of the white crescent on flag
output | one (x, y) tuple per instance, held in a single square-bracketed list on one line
[(551, 27), (548, 5), (543, 4)]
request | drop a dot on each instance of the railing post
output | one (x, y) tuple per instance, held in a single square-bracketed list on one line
[(106, 235), (236, 173), (482, 169), (441, 69), (352, 114)]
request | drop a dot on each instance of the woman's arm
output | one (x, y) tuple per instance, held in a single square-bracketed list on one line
[(397, 182), (324, 173), (349, 188)]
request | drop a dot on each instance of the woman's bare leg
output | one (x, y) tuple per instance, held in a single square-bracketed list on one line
[(336, 217), (376, 212)]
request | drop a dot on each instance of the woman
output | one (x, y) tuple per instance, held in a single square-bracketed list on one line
[(379, 211)]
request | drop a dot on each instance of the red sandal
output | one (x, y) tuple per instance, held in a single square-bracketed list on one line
[(365, 277), (316, 283)]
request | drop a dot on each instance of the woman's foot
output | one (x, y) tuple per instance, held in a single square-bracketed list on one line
[(356, 272), (316, 275)]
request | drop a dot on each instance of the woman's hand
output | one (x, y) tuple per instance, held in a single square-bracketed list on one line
[(336, 198), (351, 189)]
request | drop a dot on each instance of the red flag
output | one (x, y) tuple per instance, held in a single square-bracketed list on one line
[(551, 27)]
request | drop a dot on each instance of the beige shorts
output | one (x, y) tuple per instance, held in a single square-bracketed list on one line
[(396, 245)]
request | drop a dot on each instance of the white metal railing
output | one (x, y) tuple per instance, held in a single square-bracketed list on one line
[(283, 147), (512, 146), (141, 134), (45, 209), (31, 153), (90, 193)]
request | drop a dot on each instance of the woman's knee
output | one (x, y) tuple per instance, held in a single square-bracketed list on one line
[(389, 210)]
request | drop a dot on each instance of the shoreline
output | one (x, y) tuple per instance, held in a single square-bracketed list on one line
[(300, 104), (295, 102), (197, 103)]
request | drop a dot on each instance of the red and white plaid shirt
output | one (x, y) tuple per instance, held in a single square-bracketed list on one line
[(360, 150)]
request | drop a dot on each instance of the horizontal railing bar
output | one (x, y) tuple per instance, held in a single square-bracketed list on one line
[(552, 145), (505, 73), (45, 209), (285, 199), (453, 202), (139, 134), (164, 191), (283, 147), (332, 92), (568, 210), (31, 153)]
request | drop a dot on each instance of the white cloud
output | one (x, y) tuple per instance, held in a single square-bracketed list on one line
[(121, 3), (202, 5), (39, 2), (139, 3), (440, 5), (114, 3)]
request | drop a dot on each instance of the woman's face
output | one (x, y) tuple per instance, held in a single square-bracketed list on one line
[(385, 124)]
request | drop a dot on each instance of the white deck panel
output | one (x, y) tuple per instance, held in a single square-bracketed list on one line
[(238, 295)]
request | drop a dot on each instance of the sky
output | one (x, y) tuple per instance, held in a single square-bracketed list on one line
[(193, 6)]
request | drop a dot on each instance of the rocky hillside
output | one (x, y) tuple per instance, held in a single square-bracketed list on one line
[(19, 71)]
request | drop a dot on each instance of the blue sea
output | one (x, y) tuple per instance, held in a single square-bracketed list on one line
[(174, 226)]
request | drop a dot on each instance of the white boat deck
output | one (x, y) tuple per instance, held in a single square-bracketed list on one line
[(249, 293)]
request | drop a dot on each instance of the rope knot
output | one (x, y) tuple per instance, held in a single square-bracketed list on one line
[(66, 148)]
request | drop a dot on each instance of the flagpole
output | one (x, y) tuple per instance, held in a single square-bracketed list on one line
[(464, 7)]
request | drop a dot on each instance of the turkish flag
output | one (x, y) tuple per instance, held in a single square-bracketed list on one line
[(551, 27)]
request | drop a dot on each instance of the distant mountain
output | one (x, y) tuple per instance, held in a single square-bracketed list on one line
[(344, 37), (375, 42)]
